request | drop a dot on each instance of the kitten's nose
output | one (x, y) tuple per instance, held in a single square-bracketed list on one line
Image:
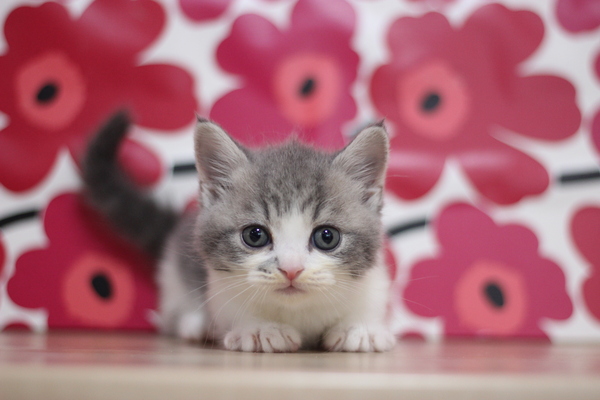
[(291, 272)]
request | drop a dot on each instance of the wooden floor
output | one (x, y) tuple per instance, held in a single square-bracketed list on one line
[(144, 366)]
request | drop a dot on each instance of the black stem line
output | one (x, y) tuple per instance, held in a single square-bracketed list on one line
[(22, 216), (407, 226), (184, 168), (582, 176)]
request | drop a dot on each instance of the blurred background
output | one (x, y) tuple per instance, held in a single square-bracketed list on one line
[(493, 108)]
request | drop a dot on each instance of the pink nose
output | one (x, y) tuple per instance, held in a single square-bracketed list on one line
[(291, 272)]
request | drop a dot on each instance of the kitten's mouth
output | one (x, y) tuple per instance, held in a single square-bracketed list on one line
[(290, 290)]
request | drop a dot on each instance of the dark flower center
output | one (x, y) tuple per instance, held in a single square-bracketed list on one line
[(308, 87), (494, 295), (431, 102), (47, 93), (102, 286)]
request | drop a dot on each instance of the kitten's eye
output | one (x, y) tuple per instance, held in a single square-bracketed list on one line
[(256, 236), (326, 238)]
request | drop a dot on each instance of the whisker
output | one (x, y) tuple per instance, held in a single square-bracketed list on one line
[(229, 301)]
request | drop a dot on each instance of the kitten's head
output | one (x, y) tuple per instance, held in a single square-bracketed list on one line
[(290, 218)]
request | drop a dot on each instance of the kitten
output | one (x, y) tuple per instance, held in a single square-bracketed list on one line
[(284, 253)]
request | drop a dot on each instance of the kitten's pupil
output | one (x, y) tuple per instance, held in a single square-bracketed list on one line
[(327, 236), (255, 234)]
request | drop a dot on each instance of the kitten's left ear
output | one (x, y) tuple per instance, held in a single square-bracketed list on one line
[(365, 160), (217, 155)]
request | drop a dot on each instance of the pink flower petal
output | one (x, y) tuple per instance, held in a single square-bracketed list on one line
[(591, 294), (512, 34), (252, 39), (542, 107), (22, 165), (503, 174), (578, 15), (202, 10), (128, 26), (161, 97), (412, 172), (596, 132), (245, 125), (585, 228), (418, 296)]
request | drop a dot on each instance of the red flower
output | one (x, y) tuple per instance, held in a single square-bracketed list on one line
[(596, 121), (435, 4), (487, 280), (85, 278), (202, 10), (61, 78), (294, 80), (451, 91), (2, 256), (578, 15), (585, 228)]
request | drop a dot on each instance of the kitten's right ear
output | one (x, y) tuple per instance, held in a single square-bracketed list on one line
[(217, 154), (365, 161)]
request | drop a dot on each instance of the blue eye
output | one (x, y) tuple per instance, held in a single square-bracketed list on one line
[(256, 236), (326, 238)]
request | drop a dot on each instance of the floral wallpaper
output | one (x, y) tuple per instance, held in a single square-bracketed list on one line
[(493, 109)]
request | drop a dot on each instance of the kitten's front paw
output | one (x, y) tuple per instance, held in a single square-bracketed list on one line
[(267, 338), (359, 338)]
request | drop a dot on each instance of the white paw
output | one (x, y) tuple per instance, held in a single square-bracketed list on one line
[(267, 338), (190, 326), (359, 338)]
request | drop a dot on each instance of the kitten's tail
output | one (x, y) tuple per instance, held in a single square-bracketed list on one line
[(108, 189)]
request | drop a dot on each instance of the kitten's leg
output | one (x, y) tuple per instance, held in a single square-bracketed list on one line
[(365, 328), (181, 304), (267, 337), (191, 326)]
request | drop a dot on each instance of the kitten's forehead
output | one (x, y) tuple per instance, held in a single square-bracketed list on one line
[(291, 178)]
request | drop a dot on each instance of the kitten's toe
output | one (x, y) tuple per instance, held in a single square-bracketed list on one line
[(359, 339), (271, 338), (279, 339), (190, 326), (233, 341)]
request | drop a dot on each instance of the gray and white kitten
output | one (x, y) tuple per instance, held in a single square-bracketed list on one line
[(285, 252)]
